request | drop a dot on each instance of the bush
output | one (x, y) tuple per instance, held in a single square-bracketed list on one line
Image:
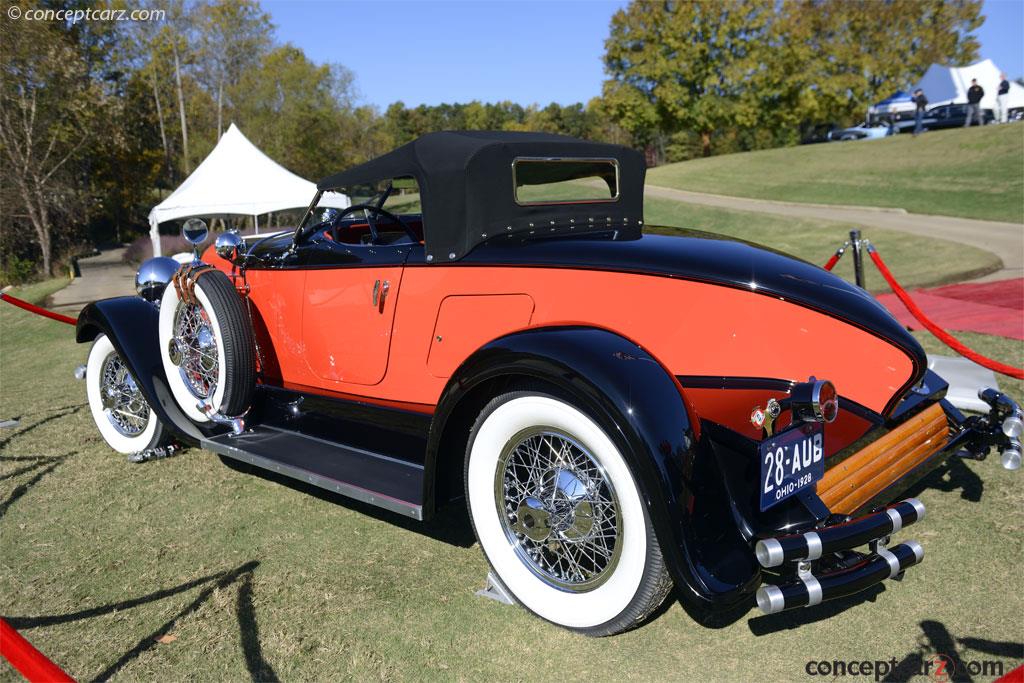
[(142, 248), (18, 271)]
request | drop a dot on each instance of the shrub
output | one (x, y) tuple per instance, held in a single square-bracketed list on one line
[(18, 271)]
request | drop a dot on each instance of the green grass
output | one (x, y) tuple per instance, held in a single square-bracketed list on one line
[(816, 241), (973, 173), (99, 558), (38, 292)]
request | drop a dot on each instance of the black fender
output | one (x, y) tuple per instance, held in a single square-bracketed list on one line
[(132, 325), (642, 406)]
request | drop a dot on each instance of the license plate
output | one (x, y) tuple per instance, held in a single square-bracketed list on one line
[(791, 461)]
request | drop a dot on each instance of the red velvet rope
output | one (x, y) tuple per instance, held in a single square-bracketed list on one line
[(36, 309), (832, 261), (946, 338), (32, 663)]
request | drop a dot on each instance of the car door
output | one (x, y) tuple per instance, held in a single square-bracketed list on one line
[(348, 309)]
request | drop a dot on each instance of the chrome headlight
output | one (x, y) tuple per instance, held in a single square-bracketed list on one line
[(229, 245), (153, 276)]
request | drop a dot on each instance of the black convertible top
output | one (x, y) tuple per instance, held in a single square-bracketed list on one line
[(467, 189)]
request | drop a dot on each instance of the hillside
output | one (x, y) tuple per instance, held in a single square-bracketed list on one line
[(973, 173)]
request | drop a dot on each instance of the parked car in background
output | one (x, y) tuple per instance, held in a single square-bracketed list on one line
[(864, 131), (821, 132), (950, 116)]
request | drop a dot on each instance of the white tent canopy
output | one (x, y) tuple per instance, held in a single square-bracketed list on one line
[(237, 179), (949, 84)]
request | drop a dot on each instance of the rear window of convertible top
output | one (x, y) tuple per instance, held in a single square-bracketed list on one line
[(542, 180)]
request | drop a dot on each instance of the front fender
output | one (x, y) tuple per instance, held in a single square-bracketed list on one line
[(642, 407), (131, 324)]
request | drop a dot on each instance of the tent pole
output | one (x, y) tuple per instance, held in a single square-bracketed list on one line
[(256, 223), (154, 236)]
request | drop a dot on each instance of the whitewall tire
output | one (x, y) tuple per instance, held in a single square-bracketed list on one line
[(207, 347), (559, 515), (120, 411)]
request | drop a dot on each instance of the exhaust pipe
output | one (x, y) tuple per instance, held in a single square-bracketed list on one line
[(808, 590), (774, 552)]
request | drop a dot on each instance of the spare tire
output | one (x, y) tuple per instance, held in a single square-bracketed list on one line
[(206, 344)]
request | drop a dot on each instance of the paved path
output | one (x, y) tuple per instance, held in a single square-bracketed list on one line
[(103, 276), (1006, 240)]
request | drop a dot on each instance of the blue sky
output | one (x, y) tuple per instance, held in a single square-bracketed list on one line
[(527, 51)]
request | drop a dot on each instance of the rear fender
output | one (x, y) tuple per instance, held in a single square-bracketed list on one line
[(642, 407), (131, 324)]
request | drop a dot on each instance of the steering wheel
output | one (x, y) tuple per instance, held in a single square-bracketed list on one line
[(372, 209)]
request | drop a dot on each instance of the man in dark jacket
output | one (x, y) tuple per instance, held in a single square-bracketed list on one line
[(974, 95), (920, 102), (1001, 96)]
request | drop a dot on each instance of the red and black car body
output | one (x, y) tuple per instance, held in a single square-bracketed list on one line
[(376, 351)]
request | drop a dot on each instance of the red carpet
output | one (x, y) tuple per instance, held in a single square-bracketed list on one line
[(989, 307)]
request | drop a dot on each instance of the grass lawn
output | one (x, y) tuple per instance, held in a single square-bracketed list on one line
[(187, 569), (816, 241), (974, 173), (38, 292)]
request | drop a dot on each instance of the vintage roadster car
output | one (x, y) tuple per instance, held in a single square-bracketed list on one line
[(622, 412)]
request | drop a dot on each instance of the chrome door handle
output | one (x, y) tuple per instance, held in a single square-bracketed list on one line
[(380, 292)]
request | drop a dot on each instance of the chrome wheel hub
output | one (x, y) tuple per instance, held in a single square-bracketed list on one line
[(193, 349), (121, 399), (559, 510)]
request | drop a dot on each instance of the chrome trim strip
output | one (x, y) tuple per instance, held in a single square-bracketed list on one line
[(918, 505), (813, 545), (813, 588), (894, 563), (896, 518), (918, 550)]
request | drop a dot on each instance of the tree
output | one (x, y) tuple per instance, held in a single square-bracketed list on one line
[(233, 37), (48, 110), (754, 70), (297, 111), (686, 65)]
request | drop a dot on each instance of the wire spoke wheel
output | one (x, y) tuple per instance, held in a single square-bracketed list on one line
[(196, 345), (559, 509), (118, 405), (123, 402)]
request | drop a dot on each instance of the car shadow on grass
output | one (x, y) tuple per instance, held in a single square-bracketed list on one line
[(450, 523), (42, 466), (956, 475), (56, 414), (258, 667)]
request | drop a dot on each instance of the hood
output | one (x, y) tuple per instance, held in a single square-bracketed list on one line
[(715, 259)]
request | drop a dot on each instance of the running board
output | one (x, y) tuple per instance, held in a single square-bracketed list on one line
[(380, 480)]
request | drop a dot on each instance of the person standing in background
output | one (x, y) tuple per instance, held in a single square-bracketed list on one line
[(920, 102), (974, 95), (1002, 115)]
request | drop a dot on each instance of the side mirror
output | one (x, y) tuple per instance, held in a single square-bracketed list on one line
[(228, 246), (195, 231)]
